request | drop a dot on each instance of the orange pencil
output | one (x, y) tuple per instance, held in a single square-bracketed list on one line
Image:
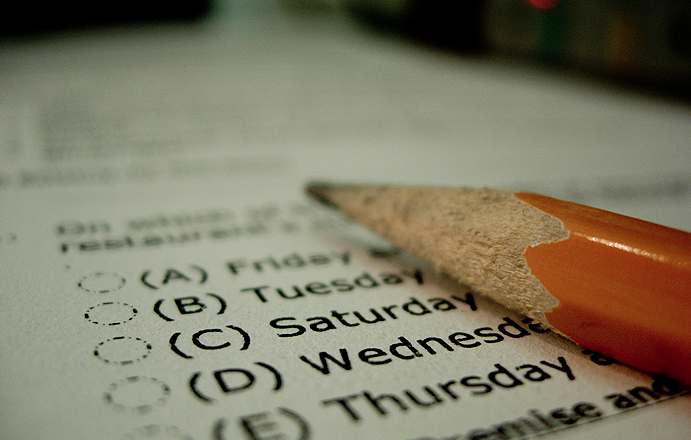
[(613, 284)]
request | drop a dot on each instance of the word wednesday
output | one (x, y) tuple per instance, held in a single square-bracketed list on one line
[(405, 349)]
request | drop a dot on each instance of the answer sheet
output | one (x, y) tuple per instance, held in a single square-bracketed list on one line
[(164, 276)]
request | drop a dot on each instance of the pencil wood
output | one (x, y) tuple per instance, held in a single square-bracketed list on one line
[(613, 284)]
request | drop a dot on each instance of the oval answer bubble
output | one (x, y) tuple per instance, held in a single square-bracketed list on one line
[(157, 432), (122, 350), (101, 282), (111, 313), (138, 394)]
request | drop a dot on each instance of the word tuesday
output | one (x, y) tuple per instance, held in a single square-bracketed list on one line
[(342, 285)]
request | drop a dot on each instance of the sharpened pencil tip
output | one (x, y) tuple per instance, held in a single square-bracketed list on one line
[(321, 191)]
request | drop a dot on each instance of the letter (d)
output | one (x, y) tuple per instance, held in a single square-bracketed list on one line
[(415, 307), (365, 280), (516, 332), (496, 375), (404, 344)]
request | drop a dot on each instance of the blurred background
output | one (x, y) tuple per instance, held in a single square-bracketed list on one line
[(586, 101), (636, 42)]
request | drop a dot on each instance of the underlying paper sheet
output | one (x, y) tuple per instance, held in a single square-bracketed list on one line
[(162, 274)]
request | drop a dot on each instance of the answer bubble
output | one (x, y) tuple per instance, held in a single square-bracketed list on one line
[(122, 350), (137, 394), (162, 432), (101, 282), (110, 313)]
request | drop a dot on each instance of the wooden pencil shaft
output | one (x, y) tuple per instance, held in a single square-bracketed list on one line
[(611, 283)]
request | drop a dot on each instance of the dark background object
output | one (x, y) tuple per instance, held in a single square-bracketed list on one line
[(32, 17), (640, 44), (451, 24)]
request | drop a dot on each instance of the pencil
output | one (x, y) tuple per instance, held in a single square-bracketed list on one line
[(613, 284)]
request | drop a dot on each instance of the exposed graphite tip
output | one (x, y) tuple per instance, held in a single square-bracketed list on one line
[(321, 191)]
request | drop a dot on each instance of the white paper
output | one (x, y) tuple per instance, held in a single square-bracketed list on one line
[(153, 219)]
